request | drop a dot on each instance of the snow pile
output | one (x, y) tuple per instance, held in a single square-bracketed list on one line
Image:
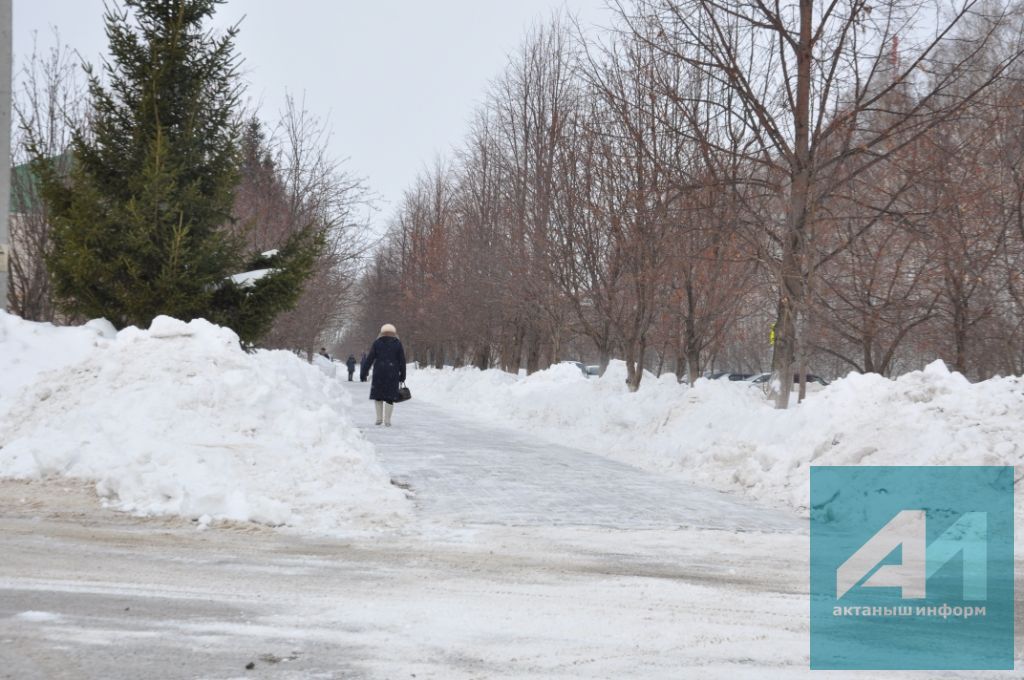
[(727, 435), (28, 348), (325, 365), (597, 414), (178, 419)]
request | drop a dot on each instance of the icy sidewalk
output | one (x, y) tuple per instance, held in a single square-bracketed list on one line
[(463, 472)]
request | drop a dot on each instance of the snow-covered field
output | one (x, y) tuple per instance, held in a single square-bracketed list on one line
[(727, 435), (178, 420)]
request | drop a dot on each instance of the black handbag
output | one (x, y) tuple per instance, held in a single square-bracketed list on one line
[(404, 394)]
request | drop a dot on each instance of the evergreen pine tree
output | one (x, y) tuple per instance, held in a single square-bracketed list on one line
[(249, 308), (139, 226)]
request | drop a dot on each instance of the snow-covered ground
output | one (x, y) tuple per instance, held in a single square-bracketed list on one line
[(727, 435), (177, 419), (480, 537), (157, 599)]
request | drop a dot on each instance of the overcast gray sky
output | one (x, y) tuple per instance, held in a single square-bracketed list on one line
[(398, 80)]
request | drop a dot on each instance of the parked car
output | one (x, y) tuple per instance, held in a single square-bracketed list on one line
[(735, 377), (593, 371), (579, 365), (811, 379)]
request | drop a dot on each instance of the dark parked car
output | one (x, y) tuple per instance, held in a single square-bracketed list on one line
[(735, 377), (765, 377)]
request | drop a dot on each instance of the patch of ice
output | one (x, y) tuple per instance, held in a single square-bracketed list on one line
[(38, 617)]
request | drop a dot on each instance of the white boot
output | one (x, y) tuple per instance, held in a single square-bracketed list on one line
[(388, 408), (379, 405)]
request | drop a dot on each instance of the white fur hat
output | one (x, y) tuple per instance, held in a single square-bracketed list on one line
[(388, 329)]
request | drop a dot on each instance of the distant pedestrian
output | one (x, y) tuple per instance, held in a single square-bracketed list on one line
[(362, 373), (387, 358), (351, 363), (324, 354)]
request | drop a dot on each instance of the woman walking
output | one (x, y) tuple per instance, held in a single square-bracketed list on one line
[(387, 357)]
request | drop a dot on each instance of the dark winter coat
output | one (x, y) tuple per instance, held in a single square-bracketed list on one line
[(351, 363), (387, 358)]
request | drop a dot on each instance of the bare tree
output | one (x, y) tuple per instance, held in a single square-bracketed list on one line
[(805, 77), (875, 293), (713, 167), (480, 251), (48, 105), (289, 182), (532, 104), (635, 192), (969, 230), (583, 258)]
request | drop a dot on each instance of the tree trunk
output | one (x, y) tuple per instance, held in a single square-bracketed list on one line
[(691, 349), (960, 336), (556, 345), (869, 359), (634, 364), (692, 364), (791, 273), (532, 352), (802, 364), (604, 357), (483, 358), (512, 351)]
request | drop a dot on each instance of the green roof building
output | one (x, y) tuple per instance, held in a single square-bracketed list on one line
[(25, 194)]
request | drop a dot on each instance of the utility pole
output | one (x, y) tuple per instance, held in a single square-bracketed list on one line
[(5, 147)]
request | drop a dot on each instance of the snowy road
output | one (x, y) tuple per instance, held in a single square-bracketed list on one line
[(524, 561), (113, 597), (466, 472)]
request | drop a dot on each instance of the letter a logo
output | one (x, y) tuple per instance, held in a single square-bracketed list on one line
[(912, 567), (906, 530)]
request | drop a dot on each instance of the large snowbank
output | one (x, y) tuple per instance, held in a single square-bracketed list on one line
[(727, 435), (28, 348), (178, 419)]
